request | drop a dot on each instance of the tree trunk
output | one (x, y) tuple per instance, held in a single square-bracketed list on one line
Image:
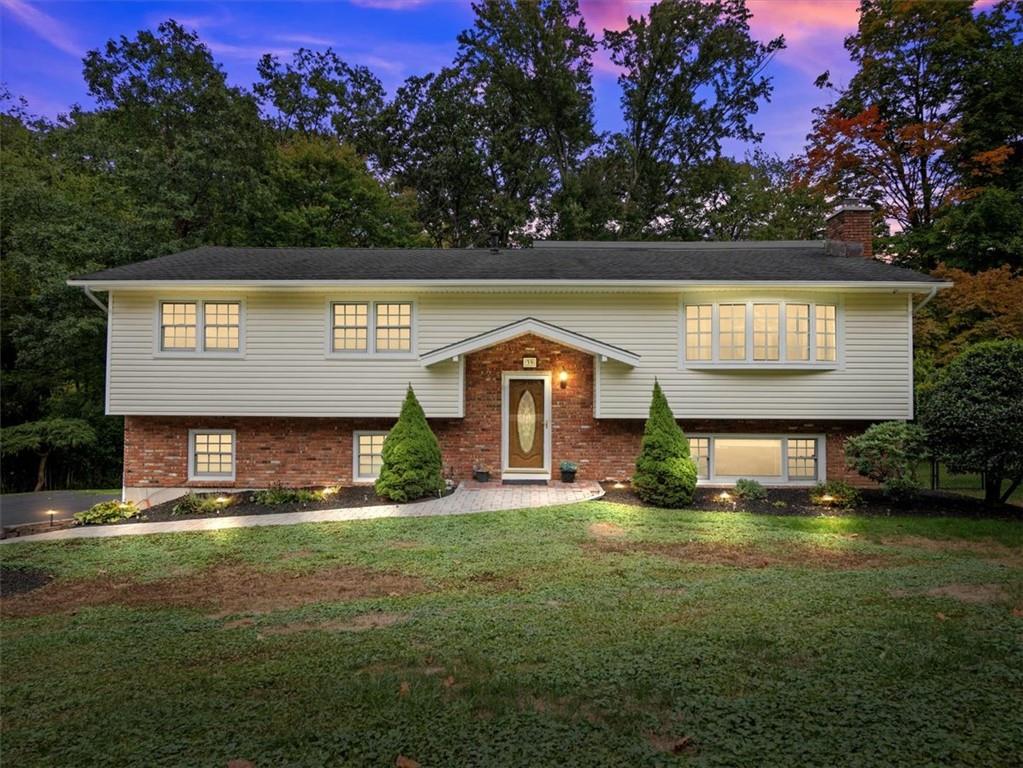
[(992, 488), (41, 472)]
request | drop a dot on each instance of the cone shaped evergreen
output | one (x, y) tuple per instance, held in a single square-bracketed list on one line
[(412, 466), (665, 474)]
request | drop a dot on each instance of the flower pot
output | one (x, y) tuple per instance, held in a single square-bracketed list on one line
[(567, 477), (481, 477)]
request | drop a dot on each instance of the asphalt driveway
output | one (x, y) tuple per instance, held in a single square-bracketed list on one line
[(21, 508)]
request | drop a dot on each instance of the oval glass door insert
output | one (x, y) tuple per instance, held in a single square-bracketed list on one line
[(526, 419)]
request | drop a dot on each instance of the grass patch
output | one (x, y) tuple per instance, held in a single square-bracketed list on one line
[(592, 634)]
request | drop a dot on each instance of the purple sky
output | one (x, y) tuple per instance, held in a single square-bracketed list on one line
[(43, 43)]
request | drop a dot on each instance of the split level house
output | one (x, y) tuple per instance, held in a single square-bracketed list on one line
[(240, 368)]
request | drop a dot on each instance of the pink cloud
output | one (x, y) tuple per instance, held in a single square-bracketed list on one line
[(389, 5)]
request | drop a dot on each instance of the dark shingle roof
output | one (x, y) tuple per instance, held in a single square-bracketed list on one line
[(811, 261)]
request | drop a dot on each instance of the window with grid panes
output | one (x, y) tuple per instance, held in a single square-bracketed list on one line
[(350, 327), (178, 325), (213, 453), (732, 332), (797, 332), (826, 332), (766, 332), (699, 337), (699, 450), (369, 448), (802, 459), (393, 327), (221, 326)]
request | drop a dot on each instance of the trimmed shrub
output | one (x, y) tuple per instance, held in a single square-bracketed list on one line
[(750, 490), (202, 504), (888, 453), (665, 474), (835, 493), (278, 494), (107, 512), (973, 416), (412, 467)]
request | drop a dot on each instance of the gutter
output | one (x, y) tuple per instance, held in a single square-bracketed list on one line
[(93, 298)]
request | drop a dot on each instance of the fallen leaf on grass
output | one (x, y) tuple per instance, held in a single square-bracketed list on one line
[(404, 689), (449, 681), (940, 616), (240, 763), (405, 762), (1018, 613)]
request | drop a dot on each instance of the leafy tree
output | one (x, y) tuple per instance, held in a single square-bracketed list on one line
[(986, 306), (665, 474), (759, 198), (320, 93), (190, 148), (43, 438), (692, 76), (412, 466), (532, 61), (888, 453), (974, 415), (320, 193)]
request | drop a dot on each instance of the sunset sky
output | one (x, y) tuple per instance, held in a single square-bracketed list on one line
[(43, 43)]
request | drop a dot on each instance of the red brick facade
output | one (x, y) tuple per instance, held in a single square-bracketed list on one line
[(318, 451)]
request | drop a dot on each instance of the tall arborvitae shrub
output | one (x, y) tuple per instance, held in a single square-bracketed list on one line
[(665, 474), (412, 466)]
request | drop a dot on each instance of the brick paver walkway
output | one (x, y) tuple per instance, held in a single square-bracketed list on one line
[(467, 499)]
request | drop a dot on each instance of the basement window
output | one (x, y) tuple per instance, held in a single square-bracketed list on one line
[(368, 456), (770, 459), (211, 454)]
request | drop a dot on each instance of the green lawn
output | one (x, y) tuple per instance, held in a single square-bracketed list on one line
[(588, 635)]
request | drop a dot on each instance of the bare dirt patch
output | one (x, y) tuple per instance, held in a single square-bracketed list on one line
[(993, 550), (15, 580), (225, 589), (360, 623), (605, 530), (977, 594), (745, 556)]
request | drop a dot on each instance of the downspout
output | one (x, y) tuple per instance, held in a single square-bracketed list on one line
[(922, 304), (93, 298)]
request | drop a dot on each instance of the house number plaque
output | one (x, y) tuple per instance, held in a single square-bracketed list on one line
[(529, 362)]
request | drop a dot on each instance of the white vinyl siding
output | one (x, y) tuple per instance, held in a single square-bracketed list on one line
[(288, 368)]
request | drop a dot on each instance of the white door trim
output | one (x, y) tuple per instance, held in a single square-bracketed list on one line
[(528, 474)]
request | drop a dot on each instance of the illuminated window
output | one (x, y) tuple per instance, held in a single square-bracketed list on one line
[(213, 454), (747, 457), (732, 332), (699, 338), (765, 331), (699, 449), (221, 326), (369, 448), (350, 327), (394, 327), (802, 459), (178, 325), (826, 332), (797, 332)]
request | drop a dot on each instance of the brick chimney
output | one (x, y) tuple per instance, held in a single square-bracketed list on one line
[(851, 223)]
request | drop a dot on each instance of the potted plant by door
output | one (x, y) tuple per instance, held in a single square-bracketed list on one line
[(480, 471), (568, 470)]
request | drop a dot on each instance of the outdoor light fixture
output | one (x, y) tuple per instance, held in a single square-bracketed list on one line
[(51, 513), (827, 498), (724, 496), (619, 485), (222, 499), (563, 379)]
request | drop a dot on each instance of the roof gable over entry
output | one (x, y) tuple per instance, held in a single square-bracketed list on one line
[(530, 325)]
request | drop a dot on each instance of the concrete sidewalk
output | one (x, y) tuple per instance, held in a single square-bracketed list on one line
[(464, 501)]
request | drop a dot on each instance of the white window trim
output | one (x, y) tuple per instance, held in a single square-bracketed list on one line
[(194, 476), (370, 352), (749, 364), (356, 434), (713, 480), (200, 329)]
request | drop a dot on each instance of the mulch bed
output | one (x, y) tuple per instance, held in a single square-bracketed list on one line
[(15, 580), (346, 498), (796, 501)]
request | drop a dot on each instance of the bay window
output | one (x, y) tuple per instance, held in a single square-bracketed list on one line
[(754, 334)]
